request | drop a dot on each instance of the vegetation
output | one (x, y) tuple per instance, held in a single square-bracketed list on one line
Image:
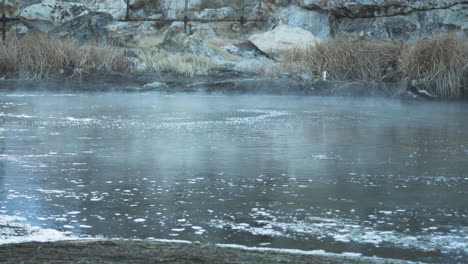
[(440, 65), (37, 56), (178, 63)]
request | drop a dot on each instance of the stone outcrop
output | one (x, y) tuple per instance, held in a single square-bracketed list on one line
[(53, 11), (409, 27), (398, 20), (315, 21), (394, 20), (117, 8), (177, 41), (282, 39), (90, 27), (12, 8)]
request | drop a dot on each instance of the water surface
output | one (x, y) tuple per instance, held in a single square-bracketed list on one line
[(375, 177)]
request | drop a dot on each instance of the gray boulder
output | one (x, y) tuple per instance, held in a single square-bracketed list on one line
[(314, 21), (89, 27), (177, 41)]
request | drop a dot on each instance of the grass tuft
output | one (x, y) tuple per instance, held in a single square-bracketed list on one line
[(178, 63), (37, 56), (439, 65)]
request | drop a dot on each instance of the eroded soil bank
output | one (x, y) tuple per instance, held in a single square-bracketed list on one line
[(114, 251)]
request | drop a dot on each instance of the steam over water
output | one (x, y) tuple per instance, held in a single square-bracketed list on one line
[(341, 175)]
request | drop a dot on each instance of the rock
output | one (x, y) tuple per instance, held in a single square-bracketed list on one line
[(154, 85), (249, 66), (204, 31), (314, 4), (55, 12), (282, 39), (219, 13), (316, 22), (137, 64), (117, 8), (376, 8), (12, 8), (176, 40), (417, 25), (124, 32), (246, 50), (273, 5), (92, 26)]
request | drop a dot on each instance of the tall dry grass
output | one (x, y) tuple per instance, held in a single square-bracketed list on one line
[(37, 56), (440, 64), (178, 63), (346, 60)]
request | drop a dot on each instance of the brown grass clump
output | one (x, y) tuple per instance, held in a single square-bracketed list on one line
[(178, 63), (37, 56), (346, 60), (440, 65)]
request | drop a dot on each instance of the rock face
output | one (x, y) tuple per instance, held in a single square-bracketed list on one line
[(413, 26), (282, 39), (117, 8), (89, 27), (177, 41), (56, 12), (394, 20), (399, 20), (314, 21), (11, 8)]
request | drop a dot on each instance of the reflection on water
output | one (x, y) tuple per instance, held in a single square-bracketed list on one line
[(374, 177)]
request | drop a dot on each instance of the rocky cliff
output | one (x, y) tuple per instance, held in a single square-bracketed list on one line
[(398, 20)]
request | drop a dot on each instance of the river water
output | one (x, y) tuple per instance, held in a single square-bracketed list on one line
[(376, 177)]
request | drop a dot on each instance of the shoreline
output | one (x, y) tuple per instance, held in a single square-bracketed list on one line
[(169, 251), (226, 82)]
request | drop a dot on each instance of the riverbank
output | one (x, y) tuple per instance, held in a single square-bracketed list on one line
[(129, 251), (432, 69)]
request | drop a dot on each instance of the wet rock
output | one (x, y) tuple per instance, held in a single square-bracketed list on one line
[(53, 12), (316, 22), (282, 39), (92, 26)]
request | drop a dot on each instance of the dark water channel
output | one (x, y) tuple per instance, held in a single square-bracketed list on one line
[(368, 176)]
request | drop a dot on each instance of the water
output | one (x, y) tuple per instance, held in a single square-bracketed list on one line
[(367, 176)]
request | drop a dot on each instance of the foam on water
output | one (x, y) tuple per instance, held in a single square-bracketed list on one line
[(12, 230)]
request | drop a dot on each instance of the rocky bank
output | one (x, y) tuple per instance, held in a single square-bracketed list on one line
[(271, 27)]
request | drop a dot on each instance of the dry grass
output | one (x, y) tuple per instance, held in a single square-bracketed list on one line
[(217, 44), (178, 63), (439, 64), (345, 60), (37, 56)]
